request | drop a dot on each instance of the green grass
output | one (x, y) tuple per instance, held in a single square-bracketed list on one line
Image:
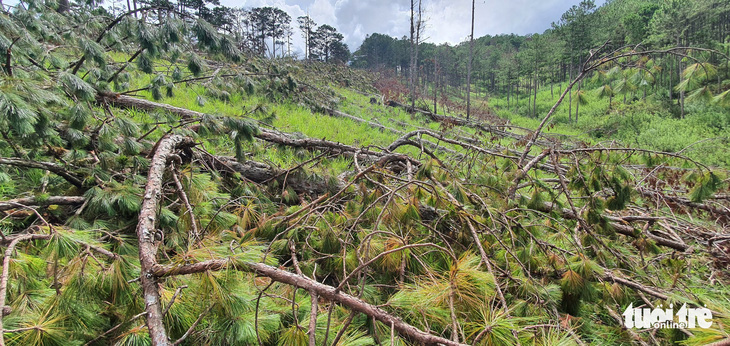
[(704, 133)]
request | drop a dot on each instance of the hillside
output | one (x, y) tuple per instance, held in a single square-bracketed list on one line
[(162, 185), (674, 99)]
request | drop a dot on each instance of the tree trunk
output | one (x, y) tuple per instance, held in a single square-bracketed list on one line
[(149, 237), (468, 68), (412, 64), (529, 96), (264, 134), (435, 85), (577, 103), (610, 98), (534, 102), (679, 79), (570, 97)]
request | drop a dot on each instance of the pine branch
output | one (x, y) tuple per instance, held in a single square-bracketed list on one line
[(191, 214), (324, 291), (192, 326), (134, 318), (41, 202), (312, 331), (78, 63), (49, 166), (6, 270), (121, 69)]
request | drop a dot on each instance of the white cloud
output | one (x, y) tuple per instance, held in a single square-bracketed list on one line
[(446, 20)]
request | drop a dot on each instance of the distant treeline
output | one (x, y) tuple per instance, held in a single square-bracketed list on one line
[(514, 65), (265, 31)]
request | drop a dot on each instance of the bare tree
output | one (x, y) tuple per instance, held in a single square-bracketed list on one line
[(471, 59), (416, 26)]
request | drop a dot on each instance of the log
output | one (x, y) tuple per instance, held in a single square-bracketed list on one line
[(261, 173), (272, 136), (339, 114), (463, 122), (148, 237)]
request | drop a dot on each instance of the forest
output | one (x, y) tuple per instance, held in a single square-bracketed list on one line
[(175, 173), (523, 75)]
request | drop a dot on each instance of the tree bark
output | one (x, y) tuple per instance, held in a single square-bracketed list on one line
[(149, 238), (313, 319)]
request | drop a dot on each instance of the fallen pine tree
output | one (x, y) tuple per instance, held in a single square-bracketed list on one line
[(130, 221)]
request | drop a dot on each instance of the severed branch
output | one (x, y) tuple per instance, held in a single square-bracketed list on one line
[(178, 291), (619, 225), (33, 201), (339, 114), (49, 166), (146, 235), (496, 130), (385, 253), (635, 285), (684, 202), (186, 202), (324, 291), (262, 173)]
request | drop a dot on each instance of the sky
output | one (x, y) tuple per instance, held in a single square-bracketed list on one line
[(446, 20)]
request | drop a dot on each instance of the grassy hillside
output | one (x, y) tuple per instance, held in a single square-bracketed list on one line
[(650, 123)]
